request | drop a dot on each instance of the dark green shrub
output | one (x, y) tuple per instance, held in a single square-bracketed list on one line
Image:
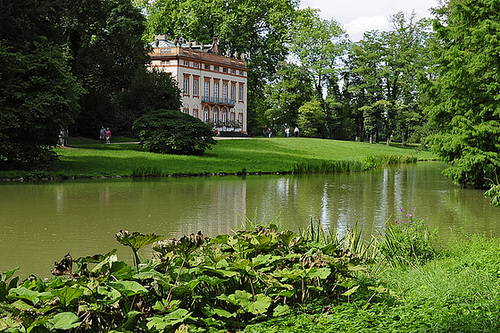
[(173, 132)]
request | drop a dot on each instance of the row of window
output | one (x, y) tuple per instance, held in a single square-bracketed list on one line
[(216, 115), (215, 95), (206, 67)]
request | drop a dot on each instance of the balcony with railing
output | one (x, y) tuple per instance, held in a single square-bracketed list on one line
[(218, 100)]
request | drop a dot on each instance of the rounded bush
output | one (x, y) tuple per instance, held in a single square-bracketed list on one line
[(173, 132)]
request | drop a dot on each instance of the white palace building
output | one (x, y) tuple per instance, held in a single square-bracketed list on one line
[(213, 86)]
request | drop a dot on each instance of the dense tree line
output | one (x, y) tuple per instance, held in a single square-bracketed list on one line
[(81, 65), (72, 64)]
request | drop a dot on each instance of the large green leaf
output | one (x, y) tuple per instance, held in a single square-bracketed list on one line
[(97, 258), (245, 300), (107, 259), (290, 274), (281, 310), (109, 295), (260, 305), (121, 270), (351, 291), (136, 240), (64, 321), (22, 306), (128, 288), (169, 320), (7, 275), (67, 294), (262, 259), (322, 273), (27, 294), (210, 311)]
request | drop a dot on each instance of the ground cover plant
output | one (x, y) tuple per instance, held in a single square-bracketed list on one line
[(84, 159)]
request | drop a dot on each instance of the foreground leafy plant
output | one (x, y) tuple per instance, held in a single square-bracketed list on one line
[(135, 241), (195, 282)]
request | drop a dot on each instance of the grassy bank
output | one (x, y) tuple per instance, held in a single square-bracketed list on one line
[(89, 158), (457, 292)]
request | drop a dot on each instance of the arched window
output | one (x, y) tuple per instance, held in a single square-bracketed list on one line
[(224, 115), (216, 114), (206, 116)]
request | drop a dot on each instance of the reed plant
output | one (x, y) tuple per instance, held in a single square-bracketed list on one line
[(353, 241), (148, 171), (386, 159), (330, 167), (409, 241)]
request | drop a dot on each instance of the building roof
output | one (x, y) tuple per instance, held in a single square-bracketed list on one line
[(162, 41), (164, 48)]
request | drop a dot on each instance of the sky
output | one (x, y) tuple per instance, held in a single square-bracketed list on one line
[(358, 16)]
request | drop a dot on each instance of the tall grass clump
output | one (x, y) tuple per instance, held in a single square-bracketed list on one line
[(407, 242), (382, 160), (148, 171), (330, 167), (352, 241)]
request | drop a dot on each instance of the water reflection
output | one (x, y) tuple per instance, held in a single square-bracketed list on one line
[(40, 223)]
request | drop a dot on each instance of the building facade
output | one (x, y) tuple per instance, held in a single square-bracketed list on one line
[(213, 86)]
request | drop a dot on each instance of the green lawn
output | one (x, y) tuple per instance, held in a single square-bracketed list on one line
[(84, 158)]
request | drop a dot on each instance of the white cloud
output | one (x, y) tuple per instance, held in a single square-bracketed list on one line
[(356, 15), (357, 27)]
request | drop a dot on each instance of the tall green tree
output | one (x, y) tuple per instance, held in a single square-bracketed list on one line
[(105, 38), (38, 93), (311, 119), (291, 87), (365, 80), (383, 70), (465, 91), (319, 45), (407, 57)]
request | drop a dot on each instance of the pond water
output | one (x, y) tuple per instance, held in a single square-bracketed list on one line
[(40, 223)]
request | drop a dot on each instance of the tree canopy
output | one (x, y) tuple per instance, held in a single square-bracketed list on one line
[(82, 65), (465, 91), (38, 92), (77, 65)]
